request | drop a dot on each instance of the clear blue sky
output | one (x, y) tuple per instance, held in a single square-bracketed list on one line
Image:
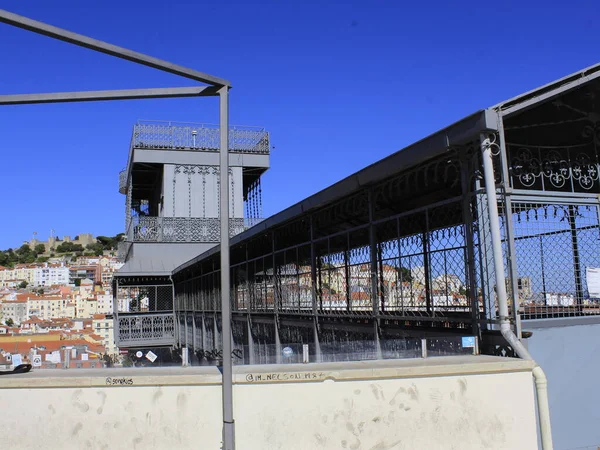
[(338, 84)]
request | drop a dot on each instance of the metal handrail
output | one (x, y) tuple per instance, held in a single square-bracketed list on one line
[(161, 135), (172, 123)]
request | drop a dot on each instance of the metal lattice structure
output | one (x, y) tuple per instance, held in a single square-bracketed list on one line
[(405, 247), (175, 161)]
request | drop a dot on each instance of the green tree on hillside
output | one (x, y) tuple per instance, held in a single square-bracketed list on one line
[(110, 243), (25, 255), (39, 249), (65, 247), (97, 248)]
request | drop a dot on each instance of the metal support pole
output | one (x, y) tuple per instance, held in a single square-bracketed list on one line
[(250, 342), (373, 259), (228, 423), (318, 356), (467, 211), (485, 245), (194, 332), (116, 326), (428, 293), (185, 320), (374, 281), (347, 275), (217, 344), (512, 261), (490, 189), (576, 258), (203, 333), (543, 271), (277, 343), (315, 296), (175, 305)]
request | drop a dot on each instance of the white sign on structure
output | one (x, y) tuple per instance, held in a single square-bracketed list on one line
[(36, 361), (16, 360), (593, 281), (151, 356)]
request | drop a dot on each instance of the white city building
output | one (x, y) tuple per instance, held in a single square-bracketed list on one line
[(51, 275)]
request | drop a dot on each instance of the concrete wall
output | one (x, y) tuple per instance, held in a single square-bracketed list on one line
[(569, 352), (439, 403)]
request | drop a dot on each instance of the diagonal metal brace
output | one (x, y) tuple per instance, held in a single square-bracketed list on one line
[(106, 48)]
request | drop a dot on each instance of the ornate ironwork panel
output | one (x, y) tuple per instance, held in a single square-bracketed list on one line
[(145, 329), (562, 169), (184, 229), (200, 137)]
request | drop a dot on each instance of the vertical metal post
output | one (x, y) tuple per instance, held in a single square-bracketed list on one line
[(318, 356), (194, 332), (174, 305), (428, 293), (576, 259), (228, 423), (185, 335), (543, 271), (313, 275), (490, 189), (116, 325), (466, 171), (512, 262), (277, 342), (485, 246), (216, 335), (374, 282), (250, 342), (510, 230), (347, 274), (203, 324), (381, 279)]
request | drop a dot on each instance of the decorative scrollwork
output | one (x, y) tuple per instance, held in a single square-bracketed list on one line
[(526, 167), (584, 171), (146, 328), (556, 168)]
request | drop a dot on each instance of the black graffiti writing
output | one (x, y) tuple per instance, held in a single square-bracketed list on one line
[(212, 355), (119, 381), (298, 376)]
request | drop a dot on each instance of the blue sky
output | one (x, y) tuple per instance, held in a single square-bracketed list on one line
[(338, 84)]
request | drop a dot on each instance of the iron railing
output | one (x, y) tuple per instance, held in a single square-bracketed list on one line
[(200, 137), (145, 329), (183, 229)]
